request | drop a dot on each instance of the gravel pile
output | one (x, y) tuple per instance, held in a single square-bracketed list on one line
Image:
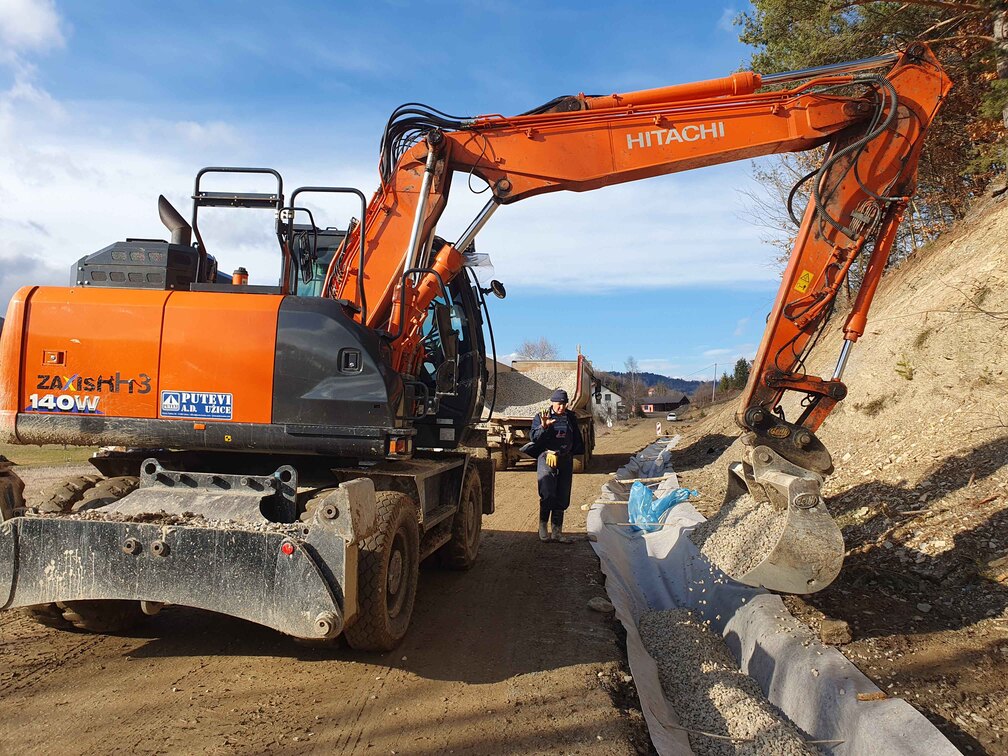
[(740, 535), (710, 694), (525, 394), (186, 519)]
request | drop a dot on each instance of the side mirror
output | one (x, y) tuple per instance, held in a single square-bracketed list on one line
[(496, 288)]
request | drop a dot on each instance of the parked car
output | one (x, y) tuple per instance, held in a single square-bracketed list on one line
[(671, 417)]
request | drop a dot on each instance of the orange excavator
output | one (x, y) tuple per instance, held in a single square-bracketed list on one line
[(288, 454)]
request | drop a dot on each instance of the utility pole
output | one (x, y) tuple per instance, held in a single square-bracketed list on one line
[(713, 389)]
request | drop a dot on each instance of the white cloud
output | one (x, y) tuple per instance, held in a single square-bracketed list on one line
[(726, 354), (89, 173), (30, 26), (679, 230), (726, 21), (740, 326), (660, 365)]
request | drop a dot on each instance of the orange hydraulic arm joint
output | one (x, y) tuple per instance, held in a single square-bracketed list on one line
[(859, 195)]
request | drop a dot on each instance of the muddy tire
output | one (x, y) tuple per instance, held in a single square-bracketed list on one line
[(49, 615), (499, 459), (461, 551), (97, 616), (104, 616), (389, 562), (11, 491), (106, 492), (61, 498)]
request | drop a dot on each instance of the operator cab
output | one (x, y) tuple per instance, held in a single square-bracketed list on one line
[(446, 395)]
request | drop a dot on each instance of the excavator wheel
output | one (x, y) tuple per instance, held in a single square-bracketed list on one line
[(102, 616), (97, 616), (60, 498), (389, 562), (11, 491), (460, 552)]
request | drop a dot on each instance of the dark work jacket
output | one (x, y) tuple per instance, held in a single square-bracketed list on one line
[(563, 437)]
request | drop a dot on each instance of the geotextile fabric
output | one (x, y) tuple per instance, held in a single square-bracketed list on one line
[(814, 685)]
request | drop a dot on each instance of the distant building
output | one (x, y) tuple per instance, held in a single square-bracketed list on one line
[(654, 402), (606, 404)]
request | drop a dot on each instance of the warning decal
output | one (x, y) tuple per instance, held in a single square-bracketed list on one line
[(804, 281)]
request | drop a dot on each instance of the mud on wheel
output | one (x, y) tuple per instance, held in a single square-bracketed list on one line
[(97, 616), (388, 565), (461, 551), (11, 491)]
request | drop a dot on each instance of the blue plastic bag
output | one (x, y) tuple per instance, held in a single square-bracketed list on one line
[(645, 510)]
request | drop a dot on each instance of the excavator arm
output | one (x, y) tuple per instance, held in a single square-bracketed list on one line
[(873, 125)]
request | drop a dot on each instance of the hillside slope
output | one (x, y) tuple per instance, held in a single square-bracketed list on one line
[(921, 485)]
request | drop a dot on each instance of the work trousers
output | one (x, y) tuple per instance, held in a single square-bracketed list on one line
[(554, 488)]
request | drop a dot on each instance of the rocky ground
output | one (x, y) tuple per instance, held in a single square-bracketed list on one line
[(921, 485)]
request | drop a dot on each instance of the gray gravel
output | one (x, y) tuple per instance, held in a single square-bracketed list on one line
[(525, 394), (740, 535), (710, 694)]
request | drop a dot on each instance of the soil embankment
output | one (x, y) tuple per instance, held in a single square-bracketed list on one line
[(921, 485)]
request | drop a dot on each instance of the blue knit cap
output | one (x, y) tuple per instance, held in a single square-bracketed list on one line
[(559, 396)]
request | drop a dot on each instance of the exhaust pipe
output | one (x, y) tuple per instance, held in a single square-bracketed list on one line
[(181, 231)]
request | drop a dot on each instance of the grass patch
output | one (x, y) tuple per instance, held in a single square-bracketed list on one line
[(872, 408), (29, 456), (922, 338), (905, 368)]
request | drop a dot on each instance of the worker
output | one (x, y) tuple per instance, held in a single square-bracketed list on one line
[(556, 434)]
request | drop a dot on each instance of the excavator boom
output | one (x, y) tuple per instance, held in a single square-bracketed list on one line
[(873, 126)]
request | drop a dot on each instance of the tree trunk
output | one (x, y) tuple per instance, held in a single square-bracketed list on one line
[(1001, 41)]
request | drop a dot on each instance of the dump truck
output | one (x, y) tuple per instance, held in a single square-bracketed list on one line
[(523, 391), (289, 453)]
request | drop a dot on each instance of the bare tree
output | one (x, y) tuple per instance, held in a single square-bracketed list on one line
[(634, 385), (541, 349)]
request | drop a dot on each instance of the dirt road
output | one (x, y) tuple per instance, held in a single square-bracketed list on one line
[(506, 658)]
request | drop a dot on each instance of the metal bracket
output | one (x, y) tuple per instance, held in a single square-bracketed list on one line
[(250, 498)]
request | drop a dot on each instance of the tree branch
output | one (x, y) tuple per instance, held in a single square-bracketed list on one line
[(962, 38), (950, 4)]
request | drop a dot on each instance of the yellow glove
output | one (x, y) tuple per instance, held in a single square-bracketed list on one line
[(551, 459)]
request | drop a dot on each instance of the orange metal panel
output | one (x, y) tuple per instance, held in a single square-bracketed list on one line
[(217, 352), (10, 362), (107, 340)]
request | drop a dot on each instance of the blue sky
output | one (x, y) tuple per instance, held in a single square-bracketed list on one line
[(104, 105)]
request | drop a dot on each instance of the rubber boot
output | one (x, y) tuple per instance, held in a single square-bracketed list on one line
[(559, 537), (543, 532)]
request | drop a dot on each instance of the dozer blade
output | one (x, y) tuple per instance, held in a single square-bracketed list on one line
[(809, 553), (201, 540)]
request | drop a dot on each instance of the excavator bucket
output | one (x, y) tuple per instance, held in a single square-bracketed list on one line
[(809, 552)]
